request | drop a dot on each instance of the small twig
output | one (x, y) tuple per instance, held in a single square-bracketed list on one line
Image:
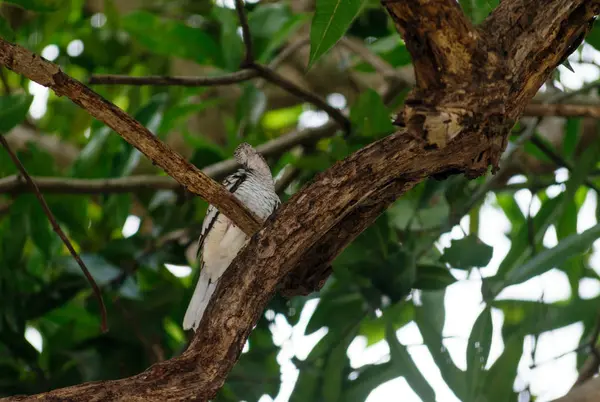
[(239, 7), (225, 79), (531, 226), (379, 64), (302, 93), (565, 110), (58, 231), (288, 51), (559, 160), (592, 363)]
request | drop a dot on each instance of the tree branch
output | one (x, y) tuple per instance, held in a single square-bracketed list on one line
[(439, 37), (58, 230), (462, 127), (225, 79), (43, 72), (563, 110), (217, 171)]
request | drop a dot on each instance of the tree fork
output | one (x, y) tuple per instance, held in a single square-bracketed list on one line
[(453, 124)]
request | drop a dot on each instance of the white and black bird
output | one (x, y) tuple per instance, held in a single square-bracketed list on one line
[(220, 239)]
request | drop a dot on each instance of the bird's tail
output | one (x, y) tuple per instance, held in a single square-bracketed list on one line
[(202, 294)]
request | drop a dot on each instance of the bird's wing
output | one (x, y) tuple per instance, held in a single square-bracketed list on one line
[(231, 183)]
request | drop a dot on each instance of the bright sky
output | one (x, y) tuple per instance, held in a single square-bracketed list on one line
[(550, 379)]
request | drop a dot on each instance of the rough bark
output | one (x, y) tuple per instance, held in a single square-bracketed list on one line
[(457, 120), (589, 391)]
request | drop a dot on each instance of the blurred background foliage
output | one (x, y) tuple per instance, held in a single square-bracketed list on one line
[(139, 245)]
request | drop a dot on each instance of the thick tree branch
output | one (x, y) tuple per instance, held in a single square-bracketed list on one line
[(439, 37), (49, 75), (454, 125), (586, 392)]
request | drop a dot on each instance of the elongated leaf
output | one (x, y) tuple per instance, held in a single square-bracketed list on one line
[(530, 317), (331, 21), (478, 350), (433, 277), (430, 320), (337, 361), (368, 379), (407, 367), (370, 117), (13, 109), (171, 38), (520, 250), (548, 259), (501, 376)]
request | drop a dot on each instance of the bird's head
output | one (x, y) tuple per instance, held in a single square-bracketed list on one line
[(250, 159)]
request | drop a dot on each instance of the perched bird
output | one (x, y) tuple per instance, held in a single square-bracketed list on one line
[(220, 239)]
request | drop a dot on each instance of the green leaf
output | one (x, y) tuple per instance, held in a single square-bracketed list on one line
[(370, 117), (571, 136), (13, 109), (337, 361), (468, 252), (266, 20), (101, 270), (520, 250), (275, 41), (478, 351), (548, 259), (593, 37), (6, 31), (369, 378), (405, 365), (160, 36), (40, 5), (230, 41), (336, 310), (531, 317), (501, 376), (373, 328), (331, 21), (430, 320), (433, 277), (39, 228)]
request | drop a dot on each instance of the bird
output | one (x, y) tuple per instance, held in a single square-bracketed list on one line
[(220, 239)]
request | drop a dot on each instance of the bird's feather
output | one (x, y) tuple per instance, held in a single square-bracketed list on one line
[(231, 183)]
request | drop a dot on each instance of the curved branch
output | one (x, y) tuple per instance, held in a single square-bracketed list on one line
[(324, 216), (43, 72)]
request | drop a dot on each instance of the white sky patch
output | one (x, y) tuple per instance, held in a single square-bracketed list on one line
[(98, 20), (34, 337), (50, 52), (180, 271), (37, 110), (131, 226), (225, 3), (337, 100), (312, 119), (75, 48), (589, 288)]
